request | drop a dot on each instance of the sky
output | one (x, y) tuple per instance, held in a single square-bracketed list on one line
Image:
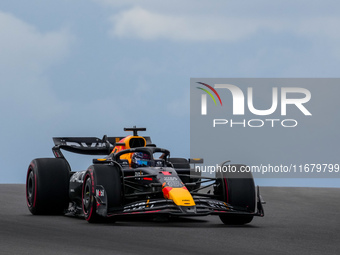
[(93, 67)]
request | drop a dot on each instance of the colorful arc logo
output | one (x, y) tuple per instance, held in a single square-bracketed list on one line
[(204, 97)]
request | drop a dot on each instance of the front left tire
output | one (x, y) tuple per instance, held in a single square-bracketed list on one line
[(108, 177)]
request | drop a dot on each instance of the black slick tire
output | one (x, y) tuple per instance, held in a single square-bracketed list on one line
[(107, 176), (238, 190), (47, 185)]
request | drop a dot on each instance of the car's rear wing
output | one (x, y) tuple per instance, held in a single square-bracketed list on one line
[(87, 145)]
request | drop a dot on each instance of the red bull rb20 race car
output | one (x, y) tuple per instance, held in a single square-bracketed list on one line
[(135, 177)]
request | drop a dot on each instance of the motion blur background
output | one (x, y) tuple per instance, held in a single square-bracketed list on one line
[(89, 68)]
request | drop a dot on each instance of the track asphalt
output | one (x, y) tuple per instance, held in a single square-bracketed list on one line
[(297, 221)]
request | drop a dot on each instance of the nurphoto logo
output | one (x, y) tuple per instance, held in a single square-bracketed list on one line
[(238, 104)]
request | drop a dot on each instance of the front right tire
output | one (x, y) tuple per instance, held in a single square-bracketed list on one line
[(237, 189)]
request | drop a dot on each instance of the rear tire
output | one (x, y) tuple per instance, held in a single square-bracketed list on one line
[(47, 185), (181, 163), (238, 190)]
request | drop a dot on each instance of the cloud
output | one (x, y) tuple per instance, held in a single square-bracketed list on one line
[(23, 46), (218, 21), (25, 55), (144, 24)]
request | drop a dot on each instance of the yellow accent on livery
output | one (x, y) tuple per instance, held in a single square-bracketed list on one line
[(180, 196)]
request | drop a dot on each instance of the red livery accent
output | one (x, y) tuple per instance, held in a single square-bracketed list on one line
[(166, 191)]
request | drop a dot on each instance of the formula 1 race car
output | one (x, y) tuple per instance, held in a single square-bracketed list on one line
[(136, 178)]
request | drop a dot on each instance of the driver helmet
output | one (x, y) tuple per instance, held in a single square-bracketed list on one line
[(140, 159)]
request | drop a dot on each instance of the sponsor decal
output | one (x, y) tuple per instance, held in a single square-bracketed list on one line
[(86, 145), (100, 192), (138, 206), (173, 182)]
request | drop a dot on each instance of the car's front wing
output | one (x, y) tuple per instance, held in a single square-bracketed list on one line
[(204, 206)]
